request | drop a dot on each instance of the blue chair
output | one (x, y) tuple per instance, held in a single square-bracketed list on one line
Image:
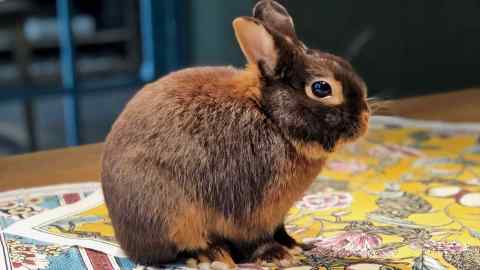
[(162, 49)]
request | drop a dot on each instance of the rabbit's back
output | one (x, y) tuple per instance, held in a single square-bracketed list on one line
[(201, 133)]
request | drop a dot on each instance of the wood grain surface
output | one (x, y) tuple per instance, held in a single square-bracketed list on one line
[(70, 165), (461, 106)]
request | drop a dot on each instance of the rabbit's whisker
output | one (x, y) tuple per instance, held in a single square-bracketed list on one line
[(378, 106)]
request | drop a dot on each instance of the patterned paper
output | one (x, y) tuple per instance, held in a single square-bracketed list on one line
[(405, 197), (85, 223)]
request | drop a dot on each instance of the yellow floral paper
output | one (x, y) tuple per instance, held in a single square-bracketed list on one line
[(404, 197), (407, 196)]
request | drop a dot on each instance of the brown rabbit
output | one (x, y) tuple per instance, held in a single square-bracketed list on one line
[(206, 162)]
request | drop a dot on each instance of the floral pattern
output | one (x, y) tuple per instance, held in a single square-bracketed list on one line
[(21, 209), (415, 202), (351, 166), (20, 253), (31, 257), (348, 244), (468, 259), (326, 200), (405, 197)]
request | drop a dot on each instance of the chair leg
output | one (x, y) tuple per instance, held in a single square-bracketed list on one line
[(29, 113), (72, 119), (69, 73)]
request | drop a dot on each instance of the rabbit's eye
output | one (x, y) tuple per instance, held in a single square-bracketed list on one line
[(328, 91), (321, 89)]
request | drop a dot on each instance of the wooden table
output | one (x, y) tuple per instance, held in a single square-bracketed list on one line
[(82, 164), (70, 165)]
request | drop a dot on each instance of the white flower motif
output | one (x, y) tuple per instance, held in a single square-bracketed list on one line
[(326, 200), (26, 256), (474, 182), (393, 151), (351, 166), (8, 205)]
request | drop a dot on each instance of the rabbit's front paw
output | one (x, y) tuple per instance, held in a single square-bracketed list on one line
[(215, 258), (274, 253)]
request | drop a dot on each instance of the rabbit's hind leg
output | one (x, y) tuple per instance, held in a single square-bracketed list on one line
[(189, 233), (273, 252), (284, 239), (153, 254)]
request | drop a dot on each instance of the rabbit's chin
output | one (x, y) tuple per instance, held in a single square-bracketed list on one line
[(360, 130)]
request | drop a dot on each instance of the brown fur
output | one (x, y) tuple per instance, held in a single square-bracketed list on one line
[(246, 84), (312, 150), (189, 228), (207, 161), (223, 256), (280, 197)]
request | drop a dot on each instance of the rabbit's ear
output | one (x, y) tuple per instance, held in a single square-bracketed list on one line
[(275, 16), (256, 42)]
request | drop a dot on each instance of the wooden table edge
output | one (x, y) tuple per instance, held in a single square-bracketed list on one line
[(82, 164)]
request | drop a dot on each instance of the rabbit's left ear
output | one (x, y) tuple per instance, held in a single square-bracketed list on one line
[(257, 44), (275, 16)]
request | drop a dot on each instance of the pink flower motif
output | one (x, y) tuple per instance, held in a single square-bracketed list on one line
[(350, 244), (447, 247), (295, 229), (326, 200), (394, 151), (351, 166)]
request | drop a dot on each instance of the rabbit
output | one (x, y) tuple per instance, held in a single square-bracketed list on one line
[(205, 162)]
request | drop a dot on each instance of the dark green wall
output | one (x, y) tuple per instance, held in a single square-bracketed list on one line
[(401, 48), (212, 41)]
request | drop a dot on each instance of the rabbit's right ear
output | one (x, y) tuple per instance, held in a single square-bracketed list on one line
[(257, 43)]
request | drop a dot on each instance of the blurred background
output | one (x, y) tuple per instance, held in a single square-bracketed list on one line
[(68, 67)]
